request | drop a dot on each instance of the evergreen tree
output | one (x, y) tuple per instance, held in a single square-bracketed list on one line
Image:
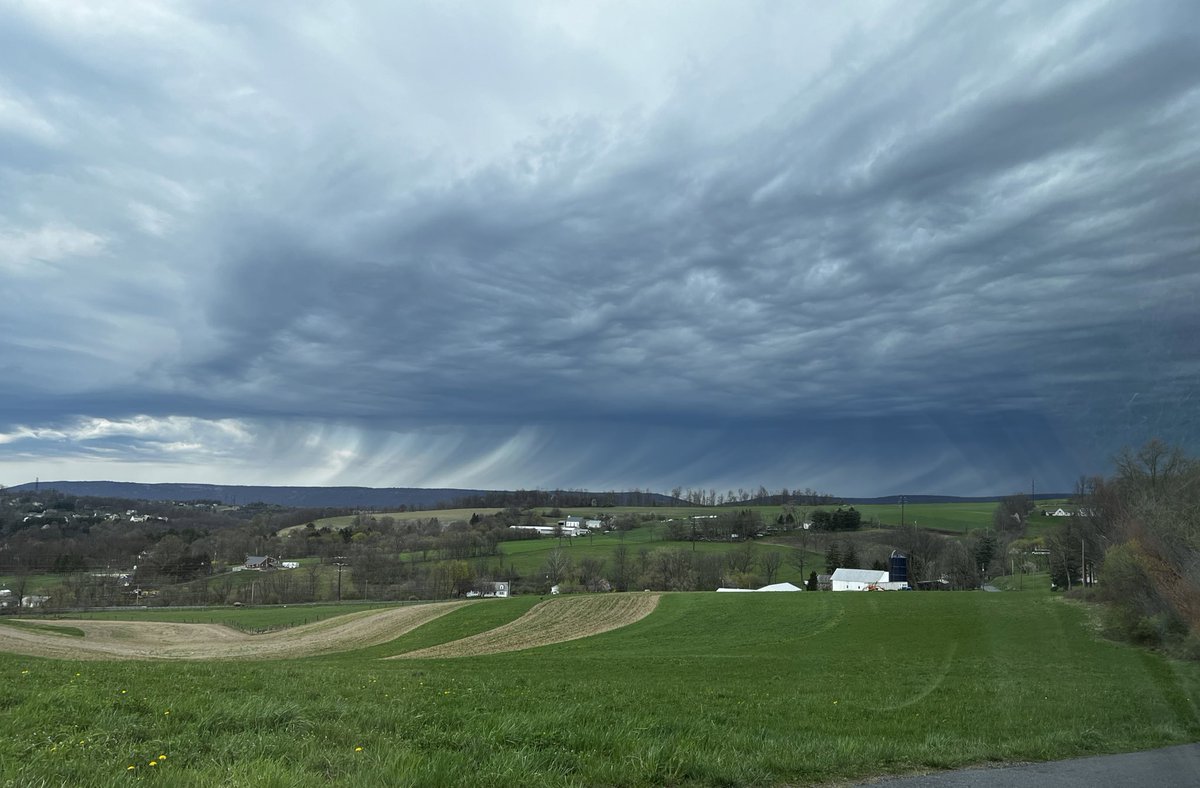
[(833, 557)]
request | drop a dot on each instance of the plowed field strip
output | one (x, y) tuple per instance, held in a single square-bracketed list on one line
[(553, 621), (155, 640)]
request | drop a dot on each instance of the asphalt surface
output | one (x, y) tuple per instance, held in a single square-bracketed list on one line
[(1165, 768)]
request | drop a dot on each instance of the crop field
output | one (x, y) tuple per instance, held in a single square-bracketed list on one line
[(705, 689)]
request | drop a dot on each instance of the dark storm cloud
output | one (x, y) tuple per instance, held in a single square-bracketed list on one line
[(955, 248)]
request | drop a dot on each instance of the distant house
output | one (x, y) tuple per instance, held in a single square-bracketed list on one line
[(34, 600), (497, 589), (1061, 512), (824, 583), (260, 562)]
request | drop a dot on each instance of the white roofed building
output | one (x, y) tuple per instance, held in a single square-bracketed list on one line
[(858, 579)]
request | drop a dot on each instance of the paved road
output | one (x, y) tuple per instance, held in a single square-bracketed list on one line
[(1165, 768)]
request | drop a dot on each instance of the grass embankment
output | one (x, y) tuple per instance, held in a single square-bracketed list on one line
[(36, 626), (709, 689)]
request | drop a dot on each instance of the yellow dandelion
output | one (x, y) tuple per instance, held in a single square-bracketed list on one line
[(130, 768), (162, 757), (168, 711), (154, 763), (358, 749), (24, 672), (123, 692)]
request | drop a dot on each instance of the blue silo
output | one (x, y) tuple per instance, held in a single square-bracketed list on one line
[(898, 567)]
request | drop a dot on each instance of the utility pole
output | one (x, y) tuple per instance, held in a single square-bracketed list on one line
[(339, 562)]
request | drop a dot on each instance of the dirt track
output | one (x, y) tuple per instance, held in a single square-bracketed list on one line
[(553, 621), (155, 640)]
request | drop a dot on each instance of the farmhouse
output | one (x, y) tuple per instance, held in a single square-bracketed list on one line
[(260, 562), (498, 590)]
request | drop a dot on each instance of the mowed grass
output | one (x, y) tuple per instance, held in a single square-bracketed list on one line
[(739, 689)]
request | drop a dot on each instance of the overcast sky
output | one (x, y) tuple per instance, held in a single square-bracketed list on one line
[(869, 248)]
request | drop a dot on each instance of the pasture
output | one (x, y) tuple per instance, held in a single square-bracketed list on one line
[(708, 689)]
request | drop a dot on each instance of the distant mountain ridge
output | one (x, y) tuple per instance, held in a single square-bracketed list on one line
[(298, 497), (385, 497)]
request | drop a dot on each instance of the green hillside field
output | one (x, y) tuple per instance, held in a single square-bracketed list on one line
[(709, 689)]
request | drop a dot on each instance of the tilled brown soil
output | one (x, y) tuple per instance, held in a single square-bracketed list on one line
[(156, 640), (553, 621)]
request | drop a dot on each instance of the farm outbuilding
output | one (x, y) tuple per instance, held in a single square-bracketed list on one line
[(772, 587)]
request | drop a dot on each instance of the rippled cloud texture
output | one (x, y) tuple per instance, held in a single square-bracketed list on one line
[(898, 247)]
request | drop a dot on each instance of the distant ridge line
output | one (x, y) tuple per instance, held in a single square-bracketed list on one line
[(386, 497)]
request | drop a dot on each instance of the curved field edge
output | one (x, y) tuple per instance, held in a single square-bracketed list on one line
[(547, 623), (470, 619), (143, 640)]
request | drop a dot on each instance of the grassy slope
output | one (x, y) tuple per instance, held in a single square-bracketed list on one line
[(710, 689), (249, 619)]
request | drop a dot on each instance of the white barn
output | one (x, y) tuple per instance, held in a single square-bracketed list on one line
[(858, 579)]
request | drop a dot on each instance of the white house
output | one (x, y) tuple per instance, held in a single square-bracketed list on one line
[(858, 579), (1061, 512)]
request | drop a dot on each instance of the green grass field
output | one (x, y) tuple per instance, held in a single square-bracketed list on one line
[(528, 557), (740, 689)]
